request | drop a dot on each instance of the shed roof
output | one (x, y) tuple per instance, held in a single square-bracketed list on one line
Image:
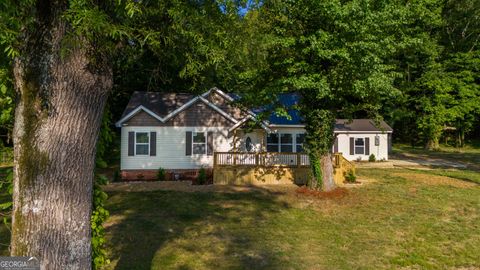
[(368, 125)]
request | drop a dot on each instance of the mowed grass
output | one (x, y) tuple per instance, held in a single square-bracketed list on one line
[(466, 175), (401, 219)]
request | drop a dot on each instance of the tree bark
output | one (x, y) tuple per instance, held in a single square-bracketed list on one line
[(319, 142), (60, 101), (327, 172), (322, 167)]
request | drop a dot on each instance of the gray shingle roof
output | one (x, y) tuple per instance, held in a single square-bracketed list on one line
[(160, 103), (345, 125), (163, 104)]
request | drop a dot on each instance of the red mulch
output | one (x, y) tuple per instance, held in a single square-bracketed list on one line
[(334, 194)]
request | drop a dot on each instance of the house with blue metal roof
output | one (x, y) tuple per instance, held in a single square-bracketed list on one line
[(181, 132)]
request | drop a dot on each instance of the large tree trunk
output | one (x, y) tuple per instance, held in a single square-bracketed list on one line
[(319, 126), (59, 107), (322, 168), (327, 172)]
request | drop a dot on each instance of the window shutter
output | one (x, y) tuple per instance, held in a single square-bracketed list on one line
[(153, 143), (335, 145), (367, 146), (188, 143), (352, 146), (131, 143), (210, 143)]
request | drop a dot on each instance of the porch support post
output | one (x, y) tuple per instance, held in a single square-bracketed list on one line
[(263, 146), (235, 140), (235, 147)]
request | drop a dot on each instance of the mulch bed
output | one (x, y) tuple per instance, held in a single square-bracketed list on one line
[(334, 194)]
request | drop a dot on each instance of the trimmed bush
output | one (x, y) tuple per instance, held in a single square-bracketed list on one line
[(202, 177), (161, 175), (350, 176), (371, 158), (116, 176)]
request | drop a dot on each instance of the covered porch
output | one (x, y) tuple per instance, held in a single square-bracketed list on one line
[(263, 139)]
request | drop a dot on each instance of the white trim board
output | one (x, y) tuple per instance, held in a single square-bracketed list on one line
[(175, 112), (364, 132), (245, 119), (132, 113), (216, 108)]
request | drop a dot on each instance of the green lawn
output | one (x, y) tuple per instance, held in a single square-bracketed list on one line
[(466, 175), (403, 218)]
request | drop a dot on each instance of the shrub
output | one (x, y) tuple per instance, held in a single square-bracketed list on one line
[(140, 176), (161, 175), (99, 216), (202, 177), (6, 155), (116, 176), (350, 176), (371, 158)]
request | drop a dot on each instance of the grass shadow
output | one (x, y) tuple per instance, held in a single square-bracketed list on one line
[(144, 226)]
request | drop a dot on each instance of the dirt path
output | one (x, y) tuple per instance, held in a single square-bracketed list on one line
[(455, 160), (429, 162)]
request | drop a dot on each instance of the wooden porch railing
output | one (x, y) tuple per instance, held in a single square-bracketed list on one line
[(240, 167), (339, 161), (262, 159), (342, 166)]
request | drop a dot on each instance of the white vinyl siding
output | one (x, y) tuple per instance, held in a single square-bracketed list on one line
[(380, 151), (171, 148)]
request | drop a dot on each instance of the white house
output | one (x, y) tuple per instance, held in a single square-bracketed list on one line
[(180, 132)]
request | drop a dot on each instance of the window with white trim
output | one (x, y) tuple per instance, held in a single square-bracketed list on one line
[(199, 143), (286, 142), (299, 140), (359, 146), (272, 142), (142, 143)]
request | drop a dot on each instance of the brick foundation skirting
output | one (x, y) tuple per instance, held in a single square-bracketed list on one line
[(170, 175)]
